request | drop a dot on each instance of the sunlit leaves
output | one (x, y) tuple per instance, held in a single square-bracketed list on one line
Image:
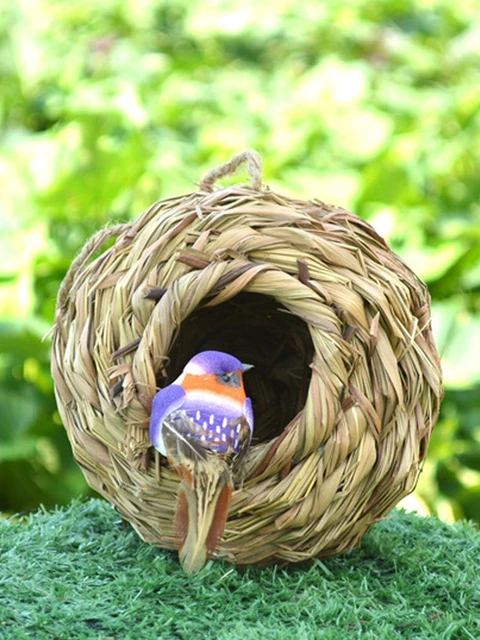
[(107, 107), (458, 340)]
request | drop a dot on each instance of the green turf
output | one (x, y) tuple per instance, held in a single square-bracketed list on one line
[(78, 573)]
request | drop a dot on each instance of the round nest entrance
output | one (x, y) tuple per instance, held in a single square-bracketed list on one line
[(261, 332), (346, 383)]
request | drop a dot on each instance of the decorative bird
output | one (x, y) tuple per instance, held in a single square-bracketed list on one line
[(203, 424)]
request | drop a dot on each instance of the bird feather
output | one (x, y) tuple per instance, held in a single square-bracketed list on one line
[(204, 493)]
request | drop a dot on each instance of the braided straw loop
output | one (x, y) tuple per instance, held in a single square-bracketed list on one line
[(346, 384)]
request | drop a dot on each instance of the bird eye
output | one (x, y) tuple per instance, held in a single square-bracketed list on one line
[(232, 379)]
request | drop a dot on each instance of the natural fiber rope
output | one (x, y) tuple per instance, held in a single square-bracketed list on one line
[(90, 247), (346, 384), (254, 168)]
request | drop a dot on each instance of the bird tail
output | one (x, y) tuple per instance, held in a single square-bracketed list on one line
[(202, 510), (203, 496)]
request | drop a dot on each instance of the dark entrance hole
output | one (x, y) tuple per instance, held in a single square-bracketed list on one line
[(259, 331)]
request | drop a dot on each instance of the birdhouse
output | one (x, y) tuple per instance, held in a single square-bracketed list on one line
[(345, 384)]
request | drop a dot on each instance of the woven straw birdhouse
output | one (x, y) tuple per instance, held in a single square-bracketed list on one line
[(346, 383)]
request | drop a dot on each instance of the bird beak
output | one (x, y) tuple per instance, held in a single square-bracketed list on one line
[(247, 367)]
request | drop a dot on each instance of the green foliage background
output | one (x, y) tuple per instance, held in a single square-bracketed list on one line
[(107, 107)]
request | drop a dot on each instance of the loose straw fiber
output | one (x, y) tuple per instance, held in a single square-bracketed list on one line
[(346, 385)]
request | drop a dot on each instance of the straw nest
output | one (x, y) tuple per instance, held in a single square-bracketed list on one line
[(346, 385)]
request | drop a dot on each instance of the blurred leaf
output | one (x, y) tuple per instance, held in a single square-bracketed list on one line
[(385, 181), (471, 458), (458, 337), (18, 450), (361, 133), (20, 341), (431, 263), (447, 477), (19, 408), (108, 107)]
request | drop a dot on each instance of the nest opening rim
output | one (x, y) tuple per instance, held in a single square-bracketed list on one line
[(259, 330)]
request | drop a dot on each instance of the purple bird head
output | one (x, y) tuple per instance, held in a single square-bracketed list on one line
[(217, 362)]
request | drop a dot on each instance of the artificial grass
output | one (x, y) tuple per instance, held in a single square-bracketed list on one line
[(78, 573)]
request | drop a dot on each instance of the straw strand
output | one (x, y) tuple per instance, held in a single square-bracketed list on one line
[(90, 247)]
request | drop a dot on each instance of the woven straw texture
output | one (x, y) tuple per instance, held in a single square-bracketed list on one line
[(346, 385)]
